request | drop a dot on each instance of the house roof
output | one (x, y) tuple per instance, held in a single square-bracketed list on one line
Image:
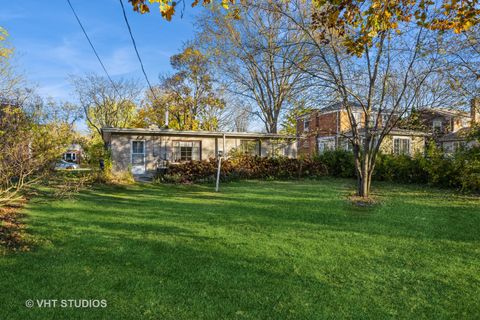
[(339, 106), (446, 112), (459, 135), (171, 132)]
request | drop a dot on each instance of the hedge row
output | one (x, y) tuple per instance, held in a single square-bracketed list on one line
[(244, 167), (461, 171)]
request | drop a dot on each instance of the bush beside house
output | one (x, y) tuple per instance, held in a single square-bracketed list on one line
[(245, 167)]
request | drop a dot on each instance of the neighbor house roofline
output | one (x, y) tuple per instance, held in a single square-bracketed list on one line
[(446, 112), (460, 135), (396, 132), (171, 132)]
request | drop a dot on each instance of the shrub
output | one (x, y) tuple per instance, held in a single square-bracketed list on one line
[(466, 167), (399, 168), (244, 167), (339, 163)]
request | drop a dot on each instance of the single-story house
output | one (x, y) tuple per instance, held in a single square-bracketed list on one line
[(143, 151)]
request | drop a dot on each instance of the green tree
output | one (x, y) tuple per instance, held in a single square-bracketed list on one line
[(289, 123), (189, 95)]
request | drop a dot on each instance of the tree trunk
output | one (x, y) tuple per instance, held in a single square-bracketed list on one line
[(363, 187), (364, 179)]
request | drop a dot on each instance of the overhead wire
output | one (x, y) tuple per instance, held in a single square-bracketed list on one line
[(93, 48)]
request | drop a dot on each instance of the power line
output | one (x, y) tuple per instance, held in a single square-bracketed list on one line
[(136, 50), (93, 48)]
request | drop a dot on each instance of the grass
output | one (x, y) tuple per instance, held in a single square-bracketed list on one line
[(257, 250)]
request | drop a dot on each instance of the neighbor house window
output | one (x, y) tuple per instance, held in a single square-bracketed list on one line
[(69, 156), (306, 125), (385, 120), (458, 145), (186, 150), (373, 119), (401, 146), (358, 117), (325, 144), (348, 146), (437, 125)]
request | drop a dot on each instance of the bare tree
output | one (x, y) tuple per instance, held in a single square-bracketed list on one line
[(107, 104), (236, 116), (255, 58), (384, 81), (462, 56)]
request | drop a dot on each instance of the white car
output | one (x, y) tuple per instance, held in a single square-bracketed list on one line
[(64, 165)]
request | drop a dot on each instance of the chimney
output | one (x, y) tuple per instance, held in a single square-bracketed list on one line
[(166, 117), (475, 111)]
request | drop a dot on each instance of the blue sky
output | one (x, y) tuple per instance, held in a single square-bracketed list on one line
[(50, 45)]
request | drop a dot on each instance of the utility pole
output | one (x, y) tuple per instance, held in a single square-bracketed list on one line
[(220, 156)]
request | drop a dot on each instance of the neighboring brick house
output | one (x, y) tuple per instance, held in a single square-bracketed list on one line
[(328, 128), (327, 124)]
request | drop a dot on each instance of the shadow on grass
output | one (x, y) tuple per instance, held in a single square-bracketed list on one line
[(255, 250), (272, 206)]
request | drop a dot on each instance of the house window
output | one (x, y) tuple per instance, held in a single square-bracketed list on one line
[(306, 125), (186, 150), (358, 117), (249, 147), (385, 120), (458, 145), (437, 125), (70, 156), (326, 144), (348, 146), (373, 119), (277, 148), (401, 146)]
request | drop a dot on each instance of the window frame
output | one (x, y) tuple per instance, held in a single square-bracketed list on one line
[(254, 143), (306, 124), (144, 149), (73, 156), (409, 139), (327, 143), (175, 151), (434, 127)]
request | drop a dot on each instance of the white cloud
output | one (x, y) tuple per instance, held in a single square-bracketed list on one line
[(11, 15), (60, 90), (121, 61)]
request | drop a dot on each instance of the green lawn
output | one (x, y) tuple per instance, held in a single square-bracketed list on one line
[(257, 250)]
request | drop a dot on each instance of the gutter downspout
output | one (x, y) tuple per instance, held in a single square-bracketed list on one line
[(223, 149), (338, 129)]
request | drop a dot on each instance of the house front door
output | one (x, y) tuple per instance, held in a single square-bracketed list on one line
[(138, 156)]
